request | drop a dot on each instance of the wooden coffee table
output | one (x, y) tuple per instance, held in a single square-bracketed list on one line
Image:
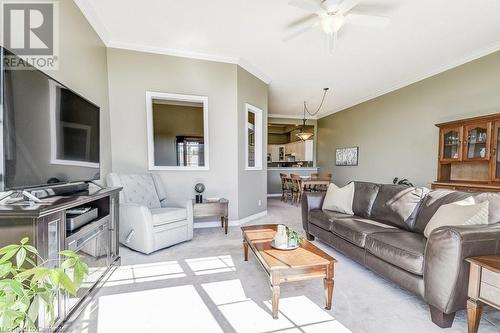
[(304, 263)]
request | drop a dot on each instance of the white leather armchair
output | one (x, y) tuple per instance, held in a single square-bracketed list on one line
[(148, 222)]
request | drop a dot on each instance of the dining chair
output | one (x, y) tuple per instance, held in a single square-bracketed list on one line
[(322, 176), (325, 175), (286, 187), (298, 190)]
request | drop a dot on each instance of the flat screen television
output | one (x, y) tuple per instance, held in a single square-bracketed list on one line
[(50, 133)]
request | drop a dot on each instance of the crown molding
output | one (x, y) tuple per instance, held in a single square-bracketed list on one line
[(471, 57), (171, 52), (91, 15), (290, 116), (254, 70), (94, 20), (191, 55)]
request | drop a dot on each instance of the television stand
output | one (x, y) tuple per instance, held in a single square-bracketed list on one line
[(12, 195), (46, 227)]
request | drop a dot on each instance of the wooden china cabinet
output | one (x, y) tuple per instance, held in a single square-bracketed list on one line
[(469, 154)]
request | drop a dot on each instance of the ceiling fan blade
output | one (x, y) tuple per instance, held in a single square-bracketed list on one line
[(309, 5), (301, 31), (346, 5), (367, 20), (303, 20)]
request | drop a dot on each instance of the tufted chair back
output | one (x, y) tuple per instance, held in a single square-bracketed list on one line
[(143, 189)]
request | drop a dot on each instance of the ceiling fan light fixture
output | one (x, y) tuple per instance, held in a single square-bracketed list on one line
[(327, 24), (338, 22), (330, 6)]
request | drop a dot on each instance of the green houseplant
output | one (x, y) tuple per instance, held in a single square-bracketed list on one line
[(25, 285), (404, 181), (294, 238)]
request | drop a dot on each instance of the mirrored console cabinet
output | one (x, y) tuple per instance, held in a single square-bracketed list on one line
[(469, 154), (96, 240)]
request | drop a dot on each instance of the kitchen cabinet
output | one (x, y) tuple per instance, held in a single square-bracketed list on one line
[(301, 150), (277, 152)]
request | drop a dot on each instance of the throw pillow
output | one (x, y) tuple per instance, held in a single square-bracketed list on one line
[(463, 212), (339, 199)]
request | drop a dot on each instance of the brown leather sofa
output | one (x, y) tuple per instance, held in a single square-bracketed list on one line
[(386, 235)]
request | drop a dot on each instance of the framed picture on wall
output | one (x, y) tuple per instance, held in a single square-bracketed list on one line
[(346, 156)]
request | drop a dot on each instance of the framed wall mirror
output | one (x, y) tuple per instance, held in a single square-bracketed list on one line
[(253, 137), (177, 127)]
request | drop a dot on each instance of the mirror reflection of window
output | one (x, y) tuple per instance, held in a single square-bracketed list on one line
[(251, 139), (178, 133)]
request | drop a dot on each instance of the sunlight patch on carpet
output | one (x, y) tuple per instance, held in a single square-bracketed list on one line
[(157, 310), (145, 272), (211, 265)]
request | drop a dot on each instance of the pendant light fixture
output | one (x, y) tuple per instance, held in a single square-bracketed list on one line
[(303, 135)]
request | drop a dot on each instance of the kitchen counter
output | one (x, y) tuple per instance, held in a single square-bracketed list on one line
[(274, 180), (313, 169)]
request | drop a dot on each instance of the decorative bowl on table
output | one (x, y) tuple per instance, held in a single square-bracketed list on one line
[(285, 238), (285, 247)]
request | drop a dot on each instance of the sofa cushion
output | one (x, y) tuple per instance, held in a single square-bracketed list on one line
[(355, 230), (432, 201), (403, 249), (397, 204), (493, 207), (464, 212), (339, 199), (324, 218), (364, 196), (167, 215)]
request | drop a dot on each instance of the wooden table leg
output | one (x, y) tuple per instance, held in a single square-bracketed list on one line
[(276, 300), (245, 250), (474, 310), (275, 287), (222, 221), (226, 222), (328, 285)]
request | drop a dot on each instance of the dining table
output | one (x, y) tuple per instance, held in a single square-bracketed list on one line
[(305, 184), (311, 181)]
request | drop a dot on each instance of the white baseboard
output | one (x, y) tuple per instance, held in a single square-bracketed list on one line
[(272, 195), (232, 223), (252, 217)]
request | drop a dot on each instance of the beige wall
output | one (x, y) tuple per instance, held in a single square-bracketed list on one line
[(396, 133), (131, 74), (83, 68), (252, 184)]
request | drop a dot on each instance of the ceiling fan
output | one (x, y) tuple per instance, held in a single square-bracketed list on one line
[(331, 16)]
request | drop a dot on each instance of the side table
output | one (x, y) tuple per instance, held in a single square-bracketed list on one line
[(209, 208), (484, 287)]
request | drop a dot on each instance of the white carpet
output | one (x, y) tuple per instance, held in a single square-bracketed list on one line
[(205, 286)]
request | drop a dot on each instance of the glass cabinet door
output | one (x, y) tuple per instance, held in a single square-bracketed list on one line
[(477, 141), (495, 153), (451, 144), (50, 242)]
